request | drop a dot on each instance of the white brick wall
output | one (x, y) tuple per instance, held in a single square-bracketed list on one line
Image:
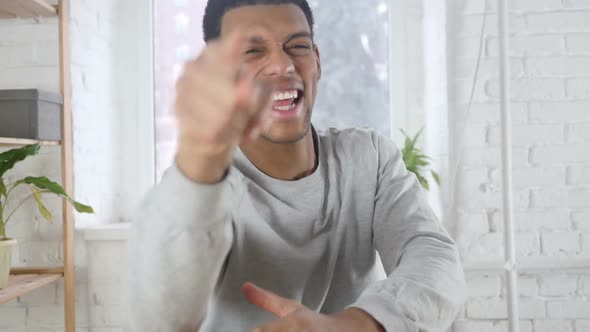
[(582, 325), (570, 308), (551, 301), (559, 286), (528, 286), (488, 326), (575, 111), (553, 326), (578, 43), (551, 70), (29, 59), (484, 286), (578, 175), (550, 76)]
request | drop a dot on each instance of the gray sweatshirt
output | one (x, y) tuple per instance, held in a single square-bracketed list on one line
[(316, 241)]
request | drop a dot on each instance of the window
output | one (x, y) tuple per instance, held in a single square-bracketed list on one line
[(177, 37), (353, 91)]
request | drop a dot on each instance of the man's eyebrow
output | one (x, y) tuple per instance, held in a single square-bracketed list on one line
[(256, 40), (260, 40), (302, 34)]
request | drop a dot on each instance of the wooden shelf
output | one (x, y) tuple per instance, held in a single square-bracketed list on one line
[(26, 9), (37, 270), (19, 285), (7, 141), (23, 281)]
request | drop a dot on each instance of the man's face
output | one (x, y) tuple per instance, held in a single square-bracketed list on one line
[(280, 50)]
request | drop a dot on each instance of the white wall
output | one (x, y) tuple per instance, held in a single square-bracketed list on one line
[(111, 99), (550, 61), (112, 105)]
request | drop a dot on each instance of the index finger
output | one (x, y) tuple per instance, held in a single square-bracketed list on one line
[(270, 301), (232, 44)]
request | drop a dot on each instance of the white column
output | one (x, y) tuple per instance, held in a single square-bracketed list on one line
[(507, 194)]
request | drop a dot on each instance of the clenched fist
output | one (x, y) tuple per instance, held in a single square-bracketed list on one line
[(218, 104)]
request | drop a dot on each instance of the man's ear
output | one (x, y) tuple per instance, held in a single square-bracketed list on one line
[(318, 61)]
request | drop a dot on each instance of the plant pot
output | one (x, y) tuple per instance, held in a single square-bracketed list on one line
[(5, 260)]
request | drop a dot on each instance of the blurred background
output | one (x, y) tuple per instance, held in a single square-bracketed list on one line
[(389, 65)]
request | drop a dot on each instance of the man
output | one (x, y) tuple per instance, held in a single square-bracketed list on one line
[(265, 223)]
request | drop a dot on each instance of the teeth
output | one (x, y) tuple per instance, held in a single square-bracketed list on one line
[(285, 95), (285, 108)]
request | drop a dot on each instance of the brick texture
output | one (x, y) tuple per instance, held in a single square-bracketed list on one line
[(550, 59), (550, 87), (29, 59)]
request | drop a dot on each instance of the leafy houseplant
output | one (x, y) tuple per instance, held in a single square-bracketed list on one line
[(39, 186), (417, 162)]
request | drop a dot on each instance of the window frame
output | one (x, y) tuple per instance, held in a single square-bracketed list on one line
[(145, 98)]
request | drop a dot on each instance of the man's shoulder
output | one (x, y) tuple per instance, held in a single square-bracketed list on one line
[(351, 146), (356, 140), (356, 144), (361, 135)]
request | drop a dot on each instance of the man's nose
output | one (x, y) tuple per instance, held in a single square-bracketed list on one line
[(279, 64)]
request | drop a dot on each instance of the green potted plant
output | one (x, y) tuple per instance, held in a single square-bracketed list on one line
[(417, 162), (39, 186)]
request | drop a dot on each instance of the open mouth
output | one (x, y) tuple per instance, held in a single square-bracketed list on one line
[(287, 100)]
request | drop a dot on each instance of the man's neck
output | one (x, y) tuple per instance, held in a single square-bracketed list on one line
[(286, 162)]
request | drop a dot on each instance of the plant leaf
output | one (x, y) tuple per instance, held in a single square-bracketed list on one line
[(2, 231), (435, 177), (423, 156), (404, 133), (423, 182), (421, 162), (409, 144), (408, 147), (44, 183), (416, 161), (2, 188), (411, 162), (9, 158), (42, 208), (415, 140), (81, 207)]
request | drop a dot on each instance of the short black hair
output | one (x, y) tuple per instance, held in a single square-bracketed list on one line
[(216, 9)]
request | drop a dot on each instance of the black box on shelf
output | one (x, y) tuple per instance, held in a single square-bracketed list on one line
[(31, 114)]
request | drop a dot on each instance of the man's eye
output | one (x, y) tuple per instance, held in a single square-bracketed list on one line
[(299, 49), (253, 51)]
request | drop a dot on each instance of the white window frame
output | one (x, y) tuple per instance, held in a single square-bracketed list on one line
[(145, 117)]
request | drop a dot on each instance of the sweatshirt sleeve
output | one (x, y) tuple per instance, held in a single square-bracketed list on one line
[(425, 288), (177, 247)]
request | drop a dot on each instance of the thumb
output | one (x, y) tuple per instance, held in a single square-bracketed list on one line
[(253, 95), (254, 98), (270, 301)]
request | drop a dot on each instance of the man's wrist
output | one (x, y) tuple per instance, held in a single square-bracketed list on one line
[(360, 318), (201, 172)]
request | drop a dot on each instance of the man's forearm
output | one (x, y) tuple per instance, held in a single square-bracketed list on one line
[(424, 292), (177, 247), (360, 318)]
